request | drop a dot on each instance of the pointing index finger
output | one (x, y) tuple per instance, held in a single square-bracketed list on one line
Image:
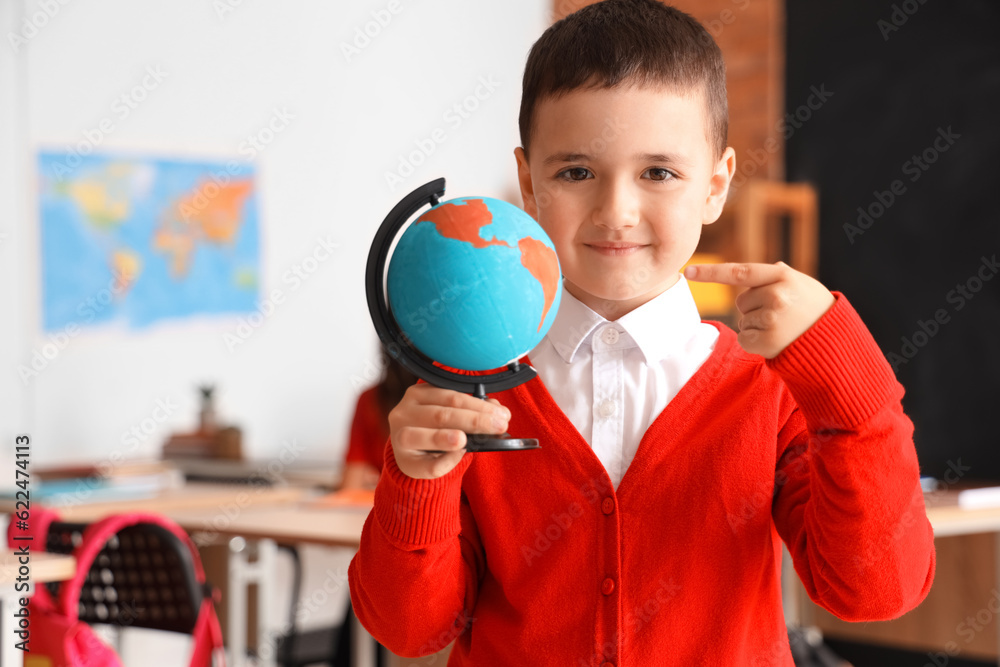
[(745, 274)]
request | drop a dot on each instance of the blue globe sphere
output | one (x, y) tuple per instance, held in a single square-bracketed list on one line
[(474, 283)]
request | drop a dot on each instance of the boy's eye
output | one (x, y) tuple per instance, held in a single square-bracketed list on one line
[(574, 174), (659, 174)]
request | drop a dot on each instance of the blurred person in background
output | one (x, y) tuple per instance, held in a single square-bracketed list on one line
[(370, 427)]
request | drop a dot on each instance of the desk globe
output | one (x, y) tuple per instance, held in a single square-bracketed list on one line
[(473, 284)]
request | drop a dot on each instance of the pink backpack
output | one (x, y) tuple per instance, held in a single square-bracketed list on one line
[(147, 551)]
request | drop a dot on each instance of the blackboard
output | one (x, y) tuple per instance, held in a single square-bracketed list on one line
[(908, 131)]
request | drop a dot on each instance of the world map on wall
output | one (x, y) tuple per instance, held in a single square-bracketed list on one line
[(136, 241)]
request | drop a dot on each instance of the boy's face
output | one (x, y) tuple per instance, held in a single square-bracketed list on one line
[(622, 180)]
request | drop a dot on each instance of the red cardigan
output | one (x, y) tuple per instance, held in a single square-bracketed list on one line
[(532, 558)]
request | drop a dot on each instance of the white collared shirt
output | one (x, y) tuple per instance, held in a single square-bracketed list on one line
[(612, 379)]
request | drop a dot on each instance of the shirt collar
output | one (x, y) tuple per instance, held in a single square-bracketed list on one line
[(659, 327)]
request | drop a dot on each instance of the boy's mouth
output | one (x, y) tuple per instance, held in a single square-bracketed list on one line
[(614, 248)]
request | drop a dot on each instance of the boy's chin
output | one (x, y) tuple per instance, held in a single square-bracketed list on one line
[(644, 290), (618, 300)]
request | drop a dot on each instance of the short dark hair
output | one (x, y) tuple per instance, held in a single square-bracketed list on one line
[(622, 42)]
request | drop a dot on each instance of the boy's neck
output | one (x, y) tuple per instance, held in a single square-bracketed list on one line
[(612, 309)]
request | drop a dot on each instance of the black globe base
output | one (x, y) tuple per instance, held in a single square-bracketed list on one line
[(481, 442)]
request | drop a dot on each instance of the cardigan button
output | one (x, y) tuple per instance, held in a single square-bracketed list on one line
[(608, 664), (608, 506), (608, 587)]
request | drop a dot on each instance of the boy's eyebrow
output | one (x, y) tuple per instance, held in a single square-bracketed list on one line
[(557, 158), (668, 158)]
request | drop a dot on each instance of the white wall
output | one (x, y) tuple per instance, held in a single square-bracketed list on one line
[(295, 379)]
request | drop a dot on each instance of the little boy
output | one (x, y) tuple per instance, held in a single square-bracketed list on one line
[(676, 454)]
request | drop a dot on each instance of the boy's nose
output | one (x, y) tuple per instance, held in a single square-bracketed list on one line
[(617, 207)]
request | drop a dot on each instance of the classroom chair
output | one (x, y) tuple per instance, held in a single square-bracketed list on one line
[(133, 570)]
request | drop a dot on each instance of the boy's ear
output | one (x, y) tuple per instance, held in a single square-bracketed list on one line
[(718, 188), (524, 181)]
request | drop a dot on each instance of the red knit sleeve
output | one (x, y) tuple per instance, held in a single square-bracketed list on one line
[(848, 500), (415, 578)]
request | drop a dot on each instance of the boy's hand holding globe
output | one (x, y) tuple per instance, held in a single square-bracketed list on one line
[(473, 284), (438, 419)]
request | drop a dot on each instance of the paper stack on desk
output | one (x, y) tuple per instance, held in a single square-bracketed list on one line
[(68, 485), (977, 499)]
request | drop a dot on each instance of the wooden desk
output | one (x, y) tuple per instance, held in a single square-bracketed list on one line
[(225, 498), (290, 524), (44, 567), (949, 520)]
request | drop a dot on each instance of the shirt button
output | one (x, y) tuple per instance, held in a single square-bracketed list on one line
[(610, 335), (607, 408), (608, 506), (608, 587)]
